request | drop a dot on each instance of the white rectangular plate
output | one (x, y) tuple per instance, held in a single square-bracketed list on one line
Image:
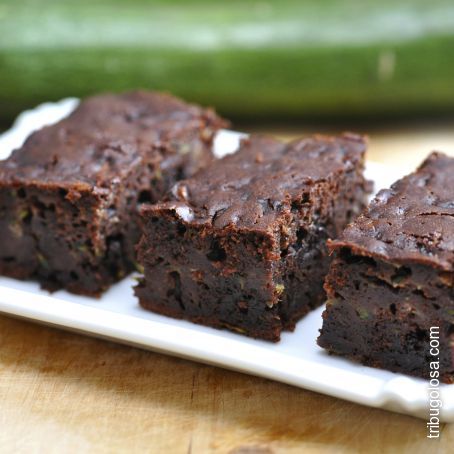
[(295, 360)]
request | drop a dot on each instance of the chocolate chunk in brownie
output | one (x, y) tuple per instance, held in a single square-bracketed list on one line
[(242, 245), (69, 196), (391, 285)]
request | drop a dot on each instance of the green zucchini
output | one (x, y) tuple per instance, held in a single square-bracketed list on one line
[(251, 60)]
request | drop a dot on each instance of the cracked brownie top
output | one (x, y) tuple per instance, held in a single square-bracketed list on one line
[(109, 134), (266, 179), (413, 221)]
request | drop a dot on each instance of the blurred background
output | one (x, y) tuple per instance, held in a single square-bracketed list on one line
[(288, 66)]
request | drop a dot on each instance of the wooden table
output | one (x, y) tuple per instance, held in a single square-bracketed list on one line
[(63, 392)]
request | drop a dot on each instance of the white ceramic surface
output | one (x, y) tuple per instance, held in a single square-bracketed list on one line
[(296, 360)]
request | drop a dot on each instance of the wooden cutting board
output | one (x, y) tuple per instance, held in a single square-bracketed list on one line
[(63, 392)]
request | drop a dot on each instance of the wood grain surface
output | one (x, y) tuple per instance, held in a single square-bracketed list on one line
[(63, 392)]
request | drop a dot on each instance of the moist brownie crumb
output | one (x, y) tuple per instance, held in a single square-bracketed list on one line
[(69, 196), (242, 245), (393, 276)]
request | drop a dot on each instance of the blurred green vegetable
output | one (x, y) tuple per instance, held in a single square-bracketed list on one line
[(253, 60)]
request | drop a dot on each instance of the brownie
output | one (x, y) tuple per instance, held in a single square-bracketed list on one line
[(69, 197), (242, 245), (393, 277)]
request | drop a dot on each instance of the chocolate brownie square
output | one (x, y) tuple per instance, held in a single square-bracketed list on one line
[(391, 285), (69, 197), (242, 245)]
